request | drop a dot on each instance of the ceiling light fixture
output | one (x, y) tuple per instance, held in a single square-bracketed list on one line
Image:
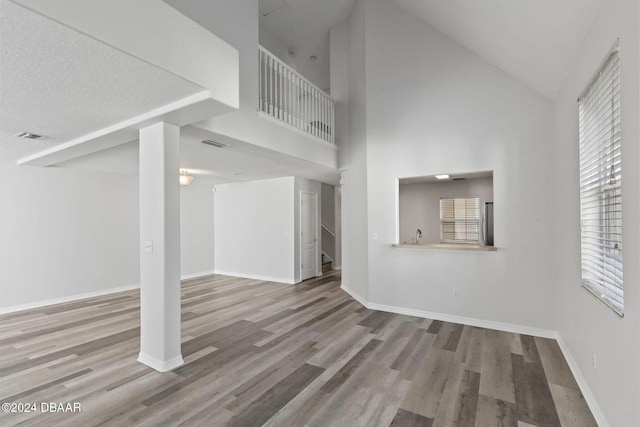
[(445, 176), (313, 57), (185, 179)]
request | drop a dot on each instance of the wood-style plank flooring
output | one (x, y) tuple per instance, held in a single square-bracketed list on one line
[(261, 353)]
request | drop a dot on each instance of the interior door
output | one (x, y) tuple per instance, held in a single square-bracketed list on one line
[(308, 234)]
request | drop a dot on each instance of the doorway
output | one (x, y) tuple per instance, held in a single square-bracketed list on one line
[(308, 235)]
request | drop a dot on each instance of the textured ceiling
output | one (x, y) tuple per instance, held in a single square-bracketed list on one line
[(535, 41), (57, 82)]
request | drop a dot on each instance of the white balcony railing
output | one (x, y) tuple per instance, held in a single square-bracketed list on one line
[(289, 97)]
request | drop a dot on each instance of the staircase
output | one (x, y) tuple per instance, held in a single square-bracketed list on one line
[(327, 264)]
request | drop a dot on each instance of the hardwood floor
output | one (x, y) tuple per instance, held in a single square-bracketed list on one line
[(261, 353)]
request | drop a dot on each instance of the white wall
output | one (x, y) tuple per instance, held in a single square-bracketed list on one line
[(273, 44), (353, 159), (317, 71), (419, 205), (196, 229), (68, 232), (433, 106), (254, 229), (65, 232), (585, 324), (339, 76)]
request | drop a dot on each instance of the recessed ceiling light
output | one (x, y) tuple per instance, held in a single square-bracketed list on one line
[(28, 135), (442, 176), (215, 143), (313, 57)]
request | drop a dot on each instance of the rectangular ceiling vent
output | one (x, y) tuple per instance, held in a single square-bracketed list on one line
[(28, 135), (458, 179), (215, 143), (272, 7)]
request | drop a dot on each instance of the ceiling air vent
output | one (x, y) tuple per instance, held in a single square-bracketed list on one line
[(272, 7), (28, 135), (458, 179), (215, 143)]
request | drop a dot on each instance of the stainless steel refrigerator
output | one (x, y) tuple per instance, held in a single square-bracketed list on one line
[(487, 224)]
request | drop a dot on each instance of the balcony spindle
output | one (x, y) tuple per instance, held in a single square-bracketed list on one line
[(271, 110), (260, 80), (325, 116), (289, 97), (317, 117), (333, 123), (265, 82)]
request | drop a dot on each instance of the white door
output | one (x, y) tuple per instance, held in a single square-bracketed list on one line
[(308, 234)]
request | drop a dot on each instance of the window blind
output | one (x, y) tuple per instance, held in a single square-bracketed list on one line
[(600, 186), (459, 220)]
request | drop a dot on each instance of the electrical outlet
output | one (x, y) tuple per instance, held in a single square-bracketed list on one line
[(594, 360), (456, 293)]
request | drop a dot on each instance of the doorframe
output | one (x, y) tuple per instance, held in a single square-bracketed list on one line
[(318, 271)]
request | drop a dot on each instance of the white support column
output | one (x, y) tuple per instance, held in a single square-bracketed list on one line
[(160, 247)]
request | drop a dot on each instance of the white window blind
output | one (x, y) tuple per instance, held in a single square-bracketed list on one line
[(460, 220), (600, 186)]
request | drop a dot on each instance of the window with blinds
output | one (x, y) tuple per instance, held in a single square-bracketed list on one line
[(460, 220), (600, 185)]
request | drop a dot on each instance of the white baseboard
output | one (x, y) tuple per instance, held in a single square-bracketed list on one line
[(197, 275), (471, 321), (70, 298), (160, 365), (256, 277), (500, 326), (589, 397), (76, 297), (356, 296)]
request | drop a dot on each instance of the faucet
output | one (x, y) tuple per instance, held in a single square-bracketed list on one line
[(418, 235)]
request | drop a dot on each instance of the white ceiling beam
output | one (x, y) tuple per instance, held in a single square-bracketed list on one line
[(185, 111)]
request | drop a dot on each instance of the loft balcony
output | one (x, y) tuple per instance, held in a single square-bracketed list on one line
[(288, 97)]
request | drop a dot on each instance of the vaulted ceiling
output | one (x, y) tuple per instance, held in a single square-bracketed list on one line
[(60, 83), (536, 41)]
